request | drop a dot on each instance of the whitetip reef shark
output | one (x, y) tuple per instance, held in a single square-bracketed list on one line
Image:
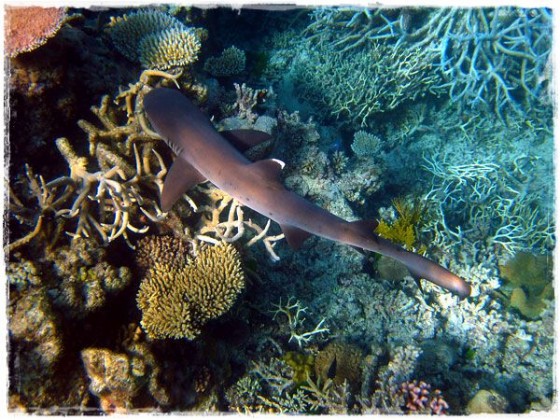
[(205, 154)]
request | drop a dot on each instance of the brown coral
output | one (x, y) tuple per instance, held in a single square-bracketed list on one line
[(340, 361), (30, 27), (176, 301)]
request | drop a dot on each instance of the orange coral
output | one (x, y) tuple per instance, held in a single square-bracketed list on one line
[(27, 28)]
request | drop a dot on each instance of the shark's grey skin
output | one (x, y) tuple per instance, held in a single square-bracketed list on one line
[(204, 154)]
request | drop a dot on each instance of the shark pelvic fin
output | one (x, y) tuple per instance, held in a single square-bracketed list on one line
[(295, 236), (245, 139), (269, 168), (180, 178)]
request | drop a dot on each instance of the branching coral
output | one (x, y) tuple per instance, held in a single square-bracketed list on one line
[(296, 322), (404, 230), (176, 300), (156, 39), (496, 57), (365, 144), (230, 62), (486, 202)]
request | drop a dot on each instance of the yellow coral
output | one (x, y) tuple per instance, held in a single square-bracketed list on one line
[(177, 301), (175, 47), (403, 230), (531, 277)]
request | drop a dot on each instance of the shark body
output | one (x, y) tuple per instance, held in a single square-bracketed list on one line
[(204, 154)]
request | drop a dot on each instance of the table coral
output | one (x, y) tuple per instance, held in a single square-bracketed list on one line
[(27, 28), (177, 300)]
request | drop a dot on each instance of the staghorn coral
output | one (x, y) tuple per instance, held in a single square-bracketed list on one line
[(177, 300), (354, 86), (27, 28), (480, 62), (230, 62), (155, 39)]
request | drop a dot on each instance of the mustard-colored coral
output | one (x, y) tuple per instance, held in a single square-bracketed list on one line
[(302, 365), (403, 229), (531, 277), (177, 300), (155, 39), (127, 31), (175, 47), (340, 361)]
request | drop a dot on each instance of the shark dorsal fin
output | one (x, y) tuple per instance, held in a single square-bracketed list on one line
[(294, 236), (181, 177), (245, 139), (269, 168)]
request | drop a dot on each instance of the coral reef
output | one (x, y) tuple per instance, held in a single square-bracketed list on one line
[(404, 229), (169, 48), (86, 278), (340, 361), (486, 402), (230, 62), (177, 299), (365, 144), (155, 39), (83, 208), (118, 379), (27, 28)]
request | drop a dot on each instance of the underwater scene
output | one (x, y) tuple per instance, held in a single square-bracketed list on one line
[(321, 210)]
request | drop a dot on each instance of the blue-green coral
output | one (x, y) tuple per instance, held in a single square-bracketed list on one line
[(155, 39), (365, 144), (230, 62)]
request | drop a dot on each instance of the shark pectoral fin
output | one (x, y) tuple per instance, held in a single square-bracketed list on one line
[(245, 139), (269, 168), (180, 178), (294, 236)]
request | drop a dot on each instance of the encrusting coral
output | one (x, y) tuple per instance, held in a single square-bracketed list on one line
[(178, 298), (340, 361), (86, 278), (531, 277)]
